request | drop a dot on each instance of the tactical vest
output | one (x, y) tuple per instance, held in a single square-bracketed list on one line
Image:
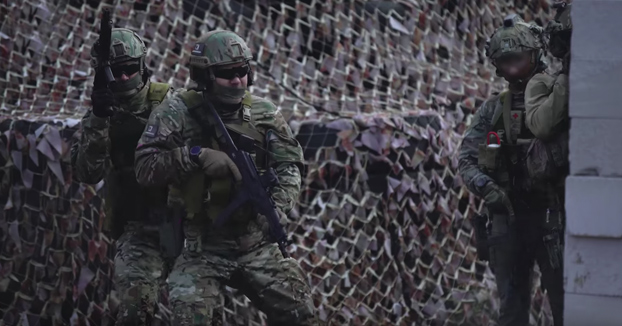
[(126, 200), (201, 195), (530, 168)]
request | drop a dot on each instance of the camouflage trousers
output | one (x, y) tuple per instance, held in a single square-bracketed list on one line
[(514, 248), (140, 273), (275, 285)]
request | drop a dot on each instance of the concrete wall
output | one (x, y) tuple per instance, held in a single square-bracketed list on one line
[(593, 257)]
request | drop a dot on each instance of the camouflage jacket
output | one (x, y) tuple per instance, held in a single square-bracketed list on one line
[(475, 135), (104, 150), (546, 105), (162, 156)]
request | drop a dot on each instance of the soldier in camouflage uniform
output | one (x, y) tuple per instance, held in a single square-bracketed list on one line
[(179, 148), (520, 176), (546, 96), (105, 149)]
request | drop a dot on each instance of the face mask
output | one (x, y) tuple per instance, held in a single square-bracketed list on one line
[(128, 88), (228, 95), (136, 103)]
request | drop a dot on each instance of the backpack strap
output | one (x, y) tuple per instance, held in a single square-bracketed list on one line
[(498, 113), (247, 102), (157, 92)]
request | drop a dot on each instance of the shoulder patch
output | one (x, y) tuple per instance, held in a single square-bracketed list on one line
[(151, 130)]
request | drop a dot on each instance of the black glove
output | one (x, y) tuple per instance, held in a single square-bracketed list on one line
[(102, 97), (496, 199)]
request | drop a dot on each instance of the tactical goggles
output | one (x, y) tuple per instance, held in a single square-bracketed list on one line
[(231, 73), (125, 69)]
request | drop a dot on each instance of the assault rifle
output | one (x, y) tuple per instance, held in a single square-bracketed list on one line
[(103, 47), (256, 188)]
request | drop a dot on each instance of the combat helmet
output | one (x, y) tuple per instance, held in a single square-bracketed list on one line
[(517, 36), (560, 29), (125, 46), (562, 20), (217, 48)]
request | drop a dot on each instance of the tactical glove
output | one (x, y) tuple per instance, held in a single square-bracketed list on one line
[(217, 164), (496, 199), (102, 97), (102, 100)]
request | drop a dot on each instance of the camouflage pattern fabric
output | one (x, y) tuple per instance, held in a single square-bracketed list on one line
[(103, 151), (275, 285), (140, 273), (238, 254), (516, 38), (125, 45), (546, 104), (476, 133)]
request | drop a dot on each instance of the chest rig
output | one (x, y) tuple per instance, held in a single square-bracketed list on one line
[(526, 166), (126, 199), (201, 195)]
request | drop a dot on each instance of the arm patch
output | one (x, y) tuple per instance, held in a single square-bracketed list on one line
[(152, 130)]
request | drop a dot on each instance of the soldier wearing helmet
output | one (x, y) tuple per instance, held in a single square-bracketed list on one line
[(104, 149), (178, 148), (518, 176), (560, 30), (546, 95)]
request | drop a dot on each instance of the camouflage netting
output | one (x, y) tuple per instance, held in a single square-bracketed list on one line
[(379, 94)]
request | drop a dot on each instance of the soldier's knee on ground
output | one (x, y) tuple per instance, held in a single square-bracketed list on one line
[(194, 299), (287, 297)]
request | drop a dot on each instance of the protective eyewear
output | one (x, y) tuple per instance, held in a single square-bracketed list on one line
[(127, 69), (231, 73)]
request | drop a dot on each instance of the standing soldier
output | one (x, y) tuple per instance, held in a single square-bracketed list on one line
[(179, 148), (110, 132), (546, 96), (518, 176)]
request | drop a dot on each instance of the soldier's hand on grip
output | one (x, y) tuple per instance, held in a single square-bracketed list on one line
[(217, 164), (102, 98), (265, 224), (496, 199)]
